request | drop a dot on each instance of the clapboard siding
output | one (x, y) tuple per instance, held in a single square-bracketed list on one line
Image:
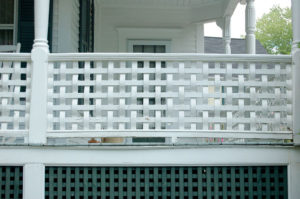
[(65, 26), (75, 24)]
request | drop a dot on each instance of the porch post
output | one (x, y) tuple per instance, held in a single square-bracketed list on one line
[(41, 20), (250, 27), (34, 181), (225, 24), (227, 34), (296, 69), (39, 57)]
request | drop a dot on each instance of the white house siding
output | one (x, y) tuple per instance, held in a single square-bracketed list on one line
[(152, 23), (65, 26)]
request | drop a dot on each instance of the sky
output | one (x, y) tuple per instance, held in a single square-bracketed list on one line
[(238, 18)]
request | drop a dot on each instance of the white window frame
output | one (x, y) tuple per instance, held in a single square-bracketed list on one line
[(13, 26), (158, 34), (132, 42)]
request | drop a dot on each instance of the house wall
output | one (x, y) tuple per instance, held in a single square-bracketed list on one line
[(65, 26), (113, 26)]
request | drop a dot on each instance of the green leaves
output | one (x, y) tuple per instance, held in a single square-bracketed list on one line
[(274, 30)]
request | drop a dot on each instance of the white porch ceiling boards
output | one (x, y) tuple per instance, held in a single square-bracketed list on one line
[(159, 3), (199, 10)]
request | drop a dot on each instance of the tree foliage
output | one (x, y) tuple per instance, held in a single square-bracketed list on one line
[(274, 30)]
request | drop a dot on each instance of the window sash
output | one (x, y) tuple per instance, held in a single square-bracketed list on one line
[(13, 26)]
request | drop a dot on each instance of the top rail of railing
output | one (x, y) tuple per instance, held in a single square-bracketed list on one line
[(15, 56), (169, 57)]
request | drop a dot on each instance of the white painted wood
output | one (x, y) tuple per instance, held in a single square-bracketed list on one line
[(296, 69), (225, 24), (195, 92), (38, 112), (163, 4), (199, 37), (296, 93), (227, 34), (41, 21), (296, 27), (10, 48), (160, 156), (15, 103), (15, 57), (65, 26), (293, 180), (250, 27), (144, 94), (167, 57), (173, 133), (34, 181)]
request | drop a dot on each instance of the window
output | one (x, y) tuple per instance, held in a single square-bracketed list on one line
[(8, 22), (149, 46)]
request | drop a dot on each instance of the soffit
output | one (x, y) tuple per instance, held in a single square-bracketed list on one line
[(160, 3)]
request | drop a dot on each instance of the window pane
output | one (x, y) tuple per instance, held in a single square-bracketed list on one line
[(6, 11), (6, 37), (137, 48), (160, 49), (149, 49)]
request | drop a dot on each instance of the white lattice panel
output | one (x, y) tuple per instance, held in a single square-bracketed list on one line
[(15, 77), (188, 95)]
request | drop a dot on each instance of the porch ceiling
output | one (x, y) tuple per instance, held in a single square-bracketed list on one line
[(200, 10)]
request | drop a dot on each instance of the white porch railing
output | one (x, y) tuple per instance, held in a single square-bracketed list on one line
[(245, 97), (15, 77), (169, 95)]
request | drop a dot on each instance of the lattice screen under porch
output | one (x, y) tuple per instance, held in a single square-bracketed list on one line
[(167, 182), (11, 182)]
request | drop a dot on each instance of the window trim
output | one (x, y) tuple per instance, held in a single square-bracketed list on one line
[(13, 26), (132, 42), (165, 34)]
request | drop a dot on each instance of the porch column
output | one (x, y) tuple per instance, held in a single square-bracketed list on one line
[(250, 27), (225, 24), (39, 58), (227, 34), (41, 20), (296, 69)]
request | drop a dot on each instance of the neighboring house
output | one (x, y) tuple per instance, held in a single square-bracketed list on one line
[(128, 99), (238, 46)]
